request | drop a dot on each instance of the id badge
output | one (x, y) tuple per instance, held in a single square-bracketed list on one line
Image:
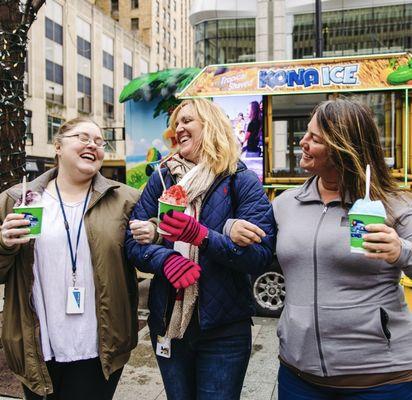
[(163, 347), (75, 300)]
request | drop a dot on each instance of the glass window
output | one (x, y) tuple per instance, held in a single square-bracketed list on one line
[(84, 91), (134, 4), (199, 32), (127, 71), (54, 31), (53, 125), (227, 28), (108, 61), (84, 48), (225, 41), (210, 29), (115, 5), (54, 72), (108, 102), (135, 24), (369, 30)]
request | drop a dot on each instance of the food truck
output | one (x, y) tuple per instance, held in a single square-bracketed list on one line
[(287, 91)]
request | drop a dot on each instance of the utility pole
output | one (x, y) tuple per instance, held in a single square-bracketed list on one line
[(319, 36)]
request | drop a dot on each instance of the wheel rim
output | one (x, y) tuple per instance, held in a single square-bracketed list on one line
[(269, 291)]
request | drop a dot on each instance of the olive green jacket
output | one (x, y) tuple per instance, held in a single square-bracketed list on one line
[(115, 281)]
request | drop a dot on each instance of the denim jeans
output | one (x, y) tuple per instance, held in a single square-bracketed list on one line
[(291, 387), (205, 368)]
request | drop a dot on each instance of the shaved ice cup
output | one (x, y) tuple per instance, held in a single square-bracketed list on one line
[(164, 208), (34, 214)]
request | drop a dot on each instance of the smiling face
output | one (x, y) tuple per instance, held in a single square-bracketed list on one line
[(188, 134), (315, 157), (75, 156)]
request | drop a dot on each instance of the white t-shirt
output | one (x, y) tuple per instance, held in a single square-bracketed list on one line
[(67, 337)]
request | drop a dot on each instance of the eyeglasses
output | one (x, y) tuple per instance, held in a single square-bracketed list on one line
[(85, 139)]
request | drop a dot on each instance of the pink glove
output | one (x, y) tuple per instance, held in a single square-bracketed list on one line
[(182, 227), (180, 271)]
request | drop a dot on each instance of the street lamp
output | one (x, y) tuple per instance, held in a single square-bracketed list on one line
[(319, 37)]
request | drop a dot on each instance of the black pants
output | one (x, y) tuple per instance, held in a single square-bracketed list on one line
[(78, 380)]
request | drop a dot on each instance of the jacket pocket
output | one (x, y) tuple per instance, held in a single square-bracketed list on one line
[(297, 338), (384, 323), (354, 338)]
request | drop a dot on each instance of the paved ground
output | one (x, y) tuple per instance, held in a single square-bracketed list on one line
[(141, 378)]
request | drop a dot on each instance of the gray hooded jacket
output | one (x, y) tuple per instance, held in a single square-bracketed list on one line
[(344, 313)]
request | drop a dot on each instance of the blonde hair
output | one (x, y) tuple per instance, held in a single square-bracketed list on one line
[(67, 127), (218, 148), (352, 136)]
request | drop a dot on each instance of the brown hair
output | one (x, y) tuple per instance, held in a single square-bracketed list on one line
[(66, 127), (352, 136), (219, 149)]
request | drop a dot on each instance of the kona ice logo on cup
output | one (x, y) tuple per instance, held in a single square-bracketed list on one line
[(307, 77)]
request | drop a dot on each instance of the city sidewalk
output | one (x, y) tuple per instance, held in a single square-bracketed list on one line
[(141, 378)]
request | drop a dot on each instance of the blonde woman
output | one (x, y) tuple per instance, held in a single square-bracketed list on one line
[(200, 297), (58, 352)]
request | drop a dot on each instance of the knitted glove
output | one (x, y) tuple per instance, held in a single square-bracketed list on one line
[(183, 228), (180, 271)]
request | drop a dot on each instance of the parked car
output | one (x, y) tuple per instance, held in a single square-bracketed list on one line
[(269, 292)]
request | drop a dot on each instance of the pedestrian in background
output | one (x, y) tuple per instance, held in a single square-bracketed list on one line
[(200, 297), (55, 353), (345, 331)]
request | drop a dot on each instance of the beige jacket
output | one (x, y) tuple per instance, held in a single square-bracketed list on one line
[(116, 287)]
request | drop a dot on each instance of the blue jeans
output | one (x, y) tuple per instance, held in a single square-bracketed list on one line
[(291, 387), (205, 369)]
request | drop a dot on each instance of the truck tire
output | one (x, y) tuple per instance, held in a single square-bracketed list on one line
[(269, 294)]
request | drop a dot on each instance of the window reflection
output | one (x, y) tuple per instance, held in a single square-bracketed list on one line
[(225, 41)]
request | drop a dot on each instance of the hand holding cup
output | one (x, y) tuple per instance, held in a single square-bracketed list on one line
[(143, 231), (382, 242), (13, 231)]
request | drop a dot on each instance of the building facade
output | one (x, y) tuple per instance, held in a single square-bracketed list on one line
[(79, 60), (279, 29), (162, 25)]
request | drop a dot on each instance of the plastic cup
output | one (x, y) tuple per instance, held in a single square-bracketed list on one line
[(164, 208), (34, 214), (357, 223)]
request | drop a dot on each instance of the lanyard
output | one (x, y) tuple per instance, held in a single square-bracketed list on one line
[(73, 255)]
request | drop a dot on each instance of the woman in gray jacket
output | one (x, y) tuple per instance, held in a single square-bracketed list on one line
[(345, 332)]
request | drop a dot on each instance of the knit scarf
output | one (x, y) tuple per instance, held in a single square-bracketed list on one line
[(196, 180)]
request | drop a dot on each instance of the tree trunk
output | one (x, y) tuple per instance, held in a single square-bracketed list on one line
[(15, 21)]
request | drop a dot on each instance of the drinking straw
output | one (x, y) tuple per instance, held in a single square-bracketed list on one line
[(159, 166), (368, 182), (24, 191), (161, 177)]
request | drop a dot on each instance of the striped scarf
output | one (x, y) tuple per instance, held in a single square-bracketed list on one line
[(196, 180)]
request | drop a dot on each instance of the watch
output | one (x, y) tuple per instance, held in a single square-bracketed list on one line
[(205, 242)]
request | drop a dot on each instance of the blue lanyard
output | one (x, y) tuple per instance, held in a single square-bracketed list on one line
[(73, 254)]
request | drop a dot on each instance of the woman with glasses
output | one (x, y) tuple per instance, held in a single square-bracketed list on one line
[(70, 305)]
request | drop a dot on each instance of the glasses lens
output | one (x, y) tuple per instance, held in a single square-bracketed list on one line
[(99, 142), (84, 138)]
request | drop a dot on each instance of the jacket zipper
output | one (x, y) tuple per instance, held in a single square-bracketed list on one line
[(315, 290)]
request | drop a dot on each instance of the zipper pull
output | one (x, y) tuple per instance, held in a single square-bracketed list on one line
[(325, 208)]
